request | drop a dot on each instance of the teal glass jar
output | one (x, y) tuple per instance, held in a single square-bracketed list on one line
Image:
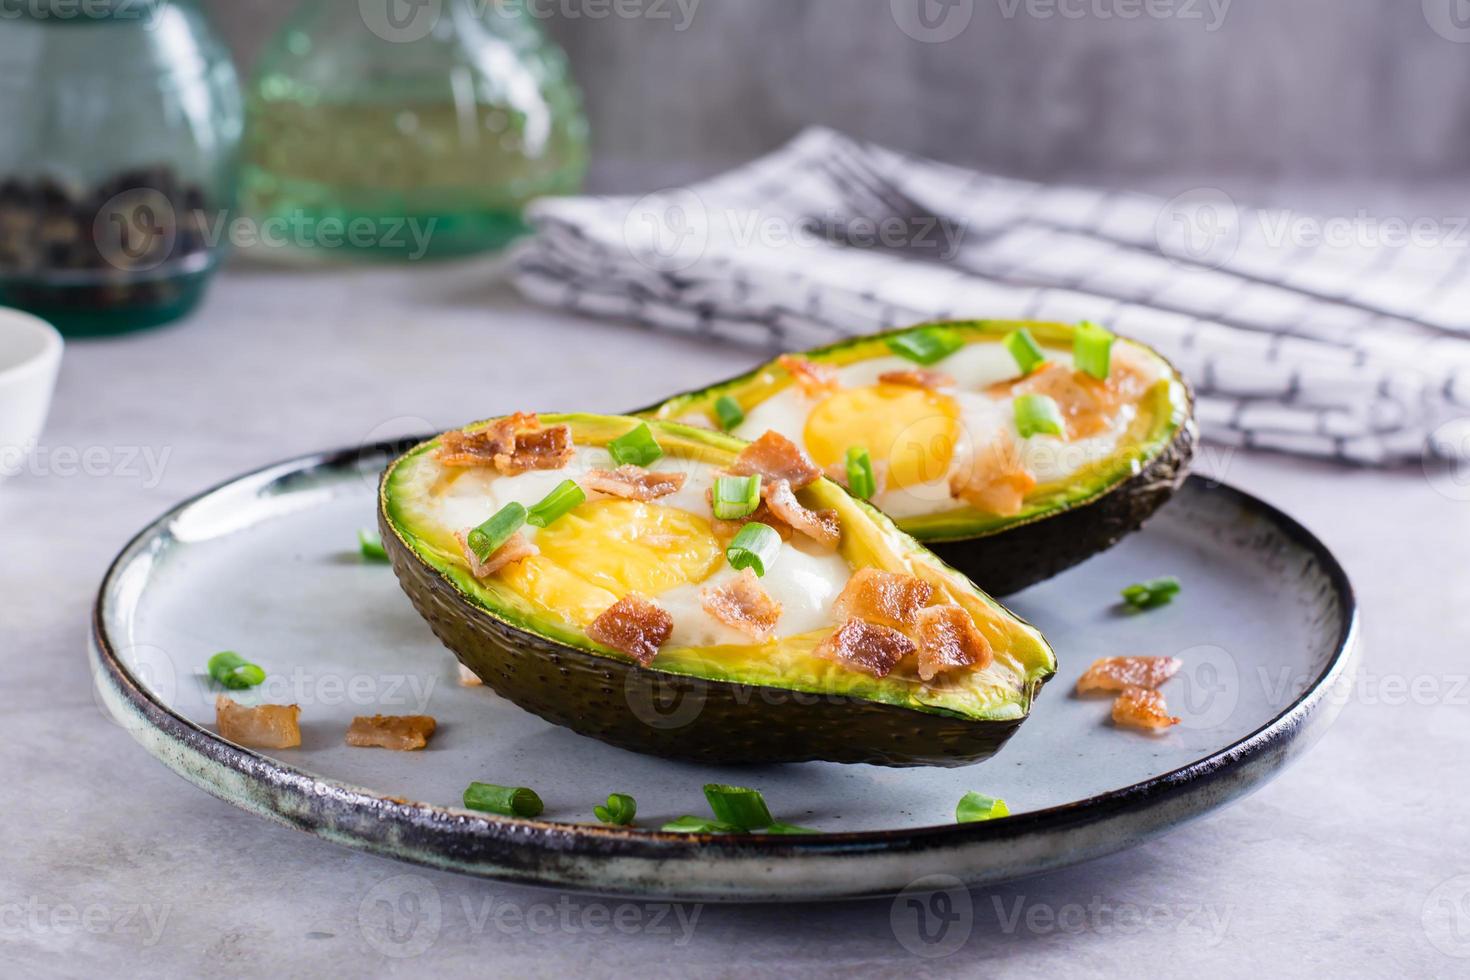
[(121, 124), (398, 130)]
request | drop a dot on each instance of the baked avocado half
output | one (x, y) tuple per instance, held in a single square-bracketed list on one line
[(1013, 449), (626, 618)]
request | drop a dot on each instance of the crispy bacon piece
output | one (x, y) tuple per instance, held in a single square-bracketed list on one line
[(401, 733), (996, 481), (948, 640), (635, 626), (821, 526), (867, 647), (743, 605), (815, 380), (514, 550), (916, 378), (513, 445), (1121, 673), (266, 726), (763, 515), (1144, 709), (634, 483), (1087, 404), (890, 598), (775, 457)]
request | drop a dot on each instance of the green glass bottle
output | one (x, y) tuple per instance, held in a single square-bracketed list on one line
[(405, 130)]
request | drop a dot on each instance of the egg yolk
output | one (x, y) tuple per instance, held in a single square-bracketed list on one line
[(912, 430), (607, 548)]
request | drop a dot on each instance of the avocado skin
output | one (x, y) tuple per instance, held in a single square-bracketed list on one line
[(707, 721), (1004, 563)]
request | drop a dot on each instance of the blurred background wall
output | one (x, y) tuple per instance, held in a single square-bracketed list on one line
[(1264, 89)]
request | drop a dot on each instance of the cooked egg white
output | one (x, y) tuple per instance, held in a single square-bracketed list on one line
[(665, 549), (920, 439)]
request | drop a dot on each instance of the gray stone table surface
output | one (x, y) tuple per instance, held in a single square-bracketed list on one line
[(1356, 862)]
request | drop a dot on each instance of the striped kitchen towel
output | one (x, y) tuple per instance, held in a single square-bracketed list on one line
[(1332, 339)]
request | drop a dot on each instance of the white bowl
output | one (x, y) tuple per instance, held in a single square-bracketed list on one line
[(30, 356)]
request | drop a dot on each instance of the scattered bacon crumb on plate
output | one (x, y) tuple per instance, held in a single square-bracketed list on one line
[(266, 726), (1144, 710), (1120, 673), (401, 733)]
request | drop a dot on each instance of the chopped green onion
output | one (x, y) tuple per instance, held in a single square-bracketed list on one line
[(737, 496), (637, 448), (729, 412), (509, 801), (234, 671), (738, 806), (371, 546), (698, 825), (976, 807), (1024, 348), (487, 539), (620, 810), (789, 828), (860, 480), (756, 546), (557, 504), (1038, 415), (1092, 349), (927, 346), (1152, 594)]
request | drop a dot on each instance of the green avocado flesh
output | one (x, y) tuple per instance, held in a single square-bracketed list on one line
[(1061, 522), (759, 702)]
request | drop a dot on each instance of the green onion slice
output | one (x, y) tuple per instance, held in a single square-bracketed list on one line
[(619, 811), (927, 346), (737, 496), (729, 412), (637, 448), (1152, 594), (976, 807), (738, 806), (789, 828), (1092, 349), (508, 801), (371, 546), (756, 546), (235, 672), (1038, 415), (860, 480), (1024, 348), (487, 539), (698, 825), (557, 504)]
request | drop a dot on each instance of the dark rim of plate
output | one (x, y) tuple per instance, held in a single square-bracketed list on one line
[(610, 842)]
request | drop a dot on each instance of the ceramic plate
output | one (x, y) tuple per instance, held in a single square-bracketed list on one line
[(267, 565)]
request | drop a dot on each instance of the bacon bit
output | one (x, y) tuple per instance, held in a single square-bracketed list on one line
[(1087, 404), (890, 598), (1140, 708), (775, 457), (949, 640), (514, 550), (513, 445), (635, 626), (1121, 673), (996, 481), (815, 380), (634, 483), (916, 378), (468, 678), (401, 733), (266, 726), (822, 526), (763, 515), (867, 647), (743, 605)]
